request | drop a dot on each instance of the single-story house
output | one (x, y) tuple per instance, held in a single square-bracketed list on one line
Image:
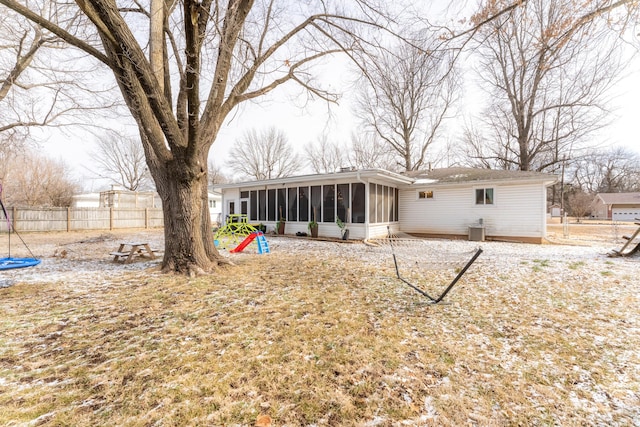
[(451, 202), (616, 206), (86, 200), (117, 197), (121, 198)]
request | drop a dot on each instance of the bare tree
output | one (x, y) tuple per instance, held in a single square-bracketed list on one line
[(546, 67), (370, 152), (9, 148), (476, 152), (324, 156), (406, 96), (233, 52), (264, 155), (612, 170), (36, 180), (121, 159), (580, 204), (20, 43), (35, 91), (216, 175)]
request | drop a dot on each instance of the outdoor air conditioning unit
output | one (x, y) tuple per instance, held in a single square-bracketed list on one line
[(476, 232)]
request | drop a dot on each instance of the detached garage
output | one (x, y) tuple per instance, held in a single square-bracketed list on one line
[(617, 206)]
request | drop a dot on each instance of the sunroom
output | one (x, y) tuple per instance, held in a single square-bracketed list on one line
[(365, 202)]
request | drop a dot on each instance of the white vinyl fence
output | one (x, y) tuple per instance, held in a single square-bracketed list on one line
[(76, 219)]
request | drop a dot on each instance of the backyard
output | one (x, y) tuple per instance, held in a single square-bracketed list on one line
[(322, 333)]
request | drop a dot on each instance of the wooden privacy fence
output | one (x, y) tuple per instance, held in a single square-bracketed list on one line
[(75, 219)]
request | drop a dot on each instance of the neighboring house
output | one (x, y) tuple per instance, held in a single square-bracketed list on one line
[(123, 199), (117, 197), (507, 205), (86, 200), (616, 206), (120, 198)]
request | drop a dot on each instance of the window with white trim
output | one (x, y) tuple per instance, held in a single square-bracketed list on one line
[(484, 196)]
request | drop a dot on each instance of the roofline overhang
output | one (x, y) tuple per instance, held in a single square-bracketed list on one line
[(513, 181), (356, 175), (402, 180)]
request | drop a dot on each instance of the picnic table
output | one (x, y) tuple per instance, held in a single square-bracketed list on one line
[(129, 250)]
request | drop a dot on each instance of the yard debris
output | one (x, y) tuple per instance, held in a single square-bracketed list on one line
[(263, 421), (60, 253)]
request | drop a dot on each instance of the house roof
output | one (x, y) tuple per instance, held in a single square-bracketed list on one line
[(456, 175), (620, 198), (460, 175), (348, 174)]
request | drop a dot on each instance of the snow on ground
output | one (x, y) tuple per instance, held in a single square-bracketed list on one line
[(79, 258), (84, 259)]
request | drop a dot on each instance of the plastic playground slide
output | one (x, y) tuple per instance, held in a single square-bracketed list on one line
[(244, 243)]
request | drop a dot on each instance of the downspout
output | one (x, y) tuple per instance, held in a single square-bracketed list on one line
[(545, 189), (222, 208), (366, 205)]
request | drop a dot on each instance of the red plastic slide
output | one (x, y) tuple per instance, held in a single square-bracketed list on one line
[(244, 243)]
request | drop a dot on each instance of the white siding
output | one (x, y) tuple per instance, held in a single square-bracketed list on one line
[(381, 230), (447, 213), (600, 210), (89, 200), (518, 211), (229, 195), (215, 208)]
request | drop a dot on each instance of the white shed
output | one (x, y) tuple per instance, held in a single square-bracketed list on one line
[(86, 200)]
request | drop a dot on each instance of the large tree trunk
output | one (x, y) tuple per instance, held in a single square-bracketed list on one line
[(188, 238)]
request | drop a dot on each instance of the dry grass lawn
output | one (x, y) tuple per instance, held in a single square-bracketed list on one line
[(322, 334)]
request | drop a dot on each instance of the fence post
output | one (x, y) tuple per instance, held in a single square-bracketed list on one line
[(146, 217), (111, 218), (68, 219), (14, 219)]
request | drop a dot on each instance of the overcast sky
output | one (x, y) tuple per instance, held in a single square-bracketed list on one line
[(304, 121)]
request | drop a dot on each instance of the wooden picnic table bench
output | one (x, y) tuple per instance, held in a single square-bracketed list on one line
[(129, 250)]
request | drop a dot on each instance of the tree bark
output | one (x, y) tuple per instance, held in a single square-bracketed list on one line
[(189, 245)]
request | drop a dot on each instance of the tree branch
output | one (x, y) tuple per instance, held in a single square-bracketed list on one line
[(64, 35)]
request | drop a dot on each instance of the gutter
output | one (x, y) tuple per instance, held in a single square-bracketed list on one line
[(476, 183), (390, 176)]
